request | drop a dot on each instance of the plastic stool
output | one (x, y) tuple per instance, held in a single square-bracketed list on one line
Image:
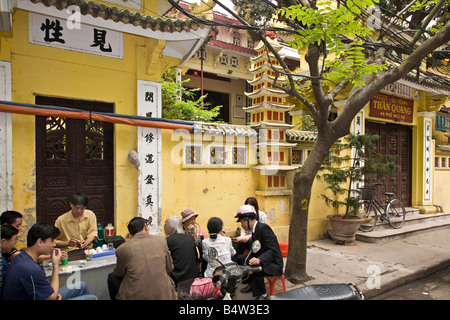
[(276, 284)]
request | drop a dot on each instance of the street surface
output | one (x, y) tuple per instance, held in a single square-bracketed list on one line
[(433, 287)]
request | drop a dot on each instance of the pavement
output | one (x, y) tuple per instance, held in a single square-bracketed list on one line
[(375, 267)]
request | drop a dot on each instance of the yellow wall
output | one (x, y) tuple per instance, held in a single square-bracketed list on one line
[(208, 191), (441, 178), (42, 70)]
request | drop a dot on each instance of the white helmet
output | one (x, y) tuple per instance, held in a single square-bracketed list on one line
[(245, 212)]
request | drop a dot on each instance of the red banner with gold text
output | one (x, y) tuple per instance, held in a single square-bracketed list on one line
[(392, 108)]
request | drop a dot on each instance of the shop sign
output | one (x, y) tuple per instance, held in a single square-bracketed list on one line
[(61, 33), (392, 108)]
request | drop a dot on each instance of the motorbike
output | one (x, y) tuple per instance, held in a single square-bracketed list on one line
[(334, 291), (227, 278), (224, 283)]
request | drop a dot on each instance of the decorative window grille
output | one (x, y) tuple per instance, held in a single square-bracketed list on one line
[(234, 61), (236, 38), (224, 59), (56, 132), (229, 61), (239, 156), (297, 156), (193, 155), (94, 140), (217, 155), (198, 55)]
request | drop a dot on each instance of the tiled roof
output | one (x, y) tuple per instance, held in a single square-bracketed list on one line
[(297, 135), (230, 46), (108, 12), (225, 129), (443, 147)]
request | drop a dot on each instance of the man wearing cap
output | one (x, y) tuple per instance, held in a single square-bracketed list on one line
[(269, 256)]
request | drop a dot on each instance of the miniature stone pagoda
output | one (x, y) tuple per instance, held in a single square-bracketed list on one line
[(267, 116)]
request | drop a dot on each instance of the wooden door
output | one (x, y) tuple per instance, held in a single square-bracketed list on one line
[(394, 140), (74, 156)]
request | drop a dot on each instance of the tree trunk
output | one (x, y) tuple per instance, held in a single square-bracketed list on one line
[(295, 270)]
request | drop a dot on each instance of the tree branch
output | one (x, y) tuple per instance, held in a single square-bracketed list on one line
[(360, 96), (427, 20), (323, 102)]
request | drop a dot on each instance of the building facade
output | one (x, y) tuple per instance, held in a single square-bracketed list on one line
[(115, 67), (99, 57)]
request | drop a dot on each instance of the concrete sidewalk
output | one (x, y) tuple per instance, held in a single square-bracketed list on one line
[(378, 267)]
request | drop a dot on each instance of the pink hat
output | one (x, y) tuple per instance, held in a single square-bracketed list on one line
[(187, 214)]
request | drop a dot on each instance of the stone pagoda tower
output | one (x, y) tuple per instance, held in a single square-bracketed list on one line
[(267, 116)]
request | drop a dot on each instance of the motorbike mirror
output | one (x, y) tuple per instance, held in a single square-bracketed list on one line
[(256, 246), (212, 253)]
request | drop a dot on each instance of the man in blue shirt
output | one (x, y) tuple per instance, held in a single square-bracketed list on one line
[(9, 237), (14, 219), (26, 279)]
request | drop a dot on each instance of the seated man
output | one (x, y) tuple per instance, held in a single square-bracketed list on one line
[(9, 238), (143, 266), (269, 256), (182, 249), (14, 219), (26, 279), (78, 226)]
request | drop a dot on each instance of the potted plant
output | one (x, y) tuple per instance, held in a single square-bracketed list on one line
[(345, 175)]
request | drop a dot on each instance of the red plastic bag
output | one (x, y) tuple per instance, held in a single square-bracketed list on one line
[(202, 289)]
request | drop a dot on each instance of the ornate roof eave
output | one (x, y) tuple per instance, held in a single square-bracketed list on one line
[(275, 44), (265, 56), (232, 47), (272, 125), (297, 135), (183, 36), (275, 167), (266, 77), (275, 144), (109, 12), (264, 67), (443, 148), (215, 129), (268, 106), (264, 90)]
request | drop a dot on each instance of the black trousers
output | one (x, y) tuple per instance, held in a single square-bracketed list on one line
[(255, 280), (113, 285)]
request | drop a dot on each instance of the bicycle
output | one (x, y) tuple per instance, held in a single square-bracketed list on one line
[(394, 211)]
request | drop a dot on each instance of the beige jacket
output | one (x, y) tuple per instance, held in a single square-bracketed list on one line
[(144, 262)]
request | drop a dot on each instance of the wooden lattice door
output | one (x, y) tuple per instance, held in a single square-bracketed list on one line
[(394, 140), (74, 156)]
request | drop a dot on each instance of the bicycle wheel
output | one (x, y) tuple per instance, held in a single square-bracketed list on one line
[(396, 213), (370, 217)]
